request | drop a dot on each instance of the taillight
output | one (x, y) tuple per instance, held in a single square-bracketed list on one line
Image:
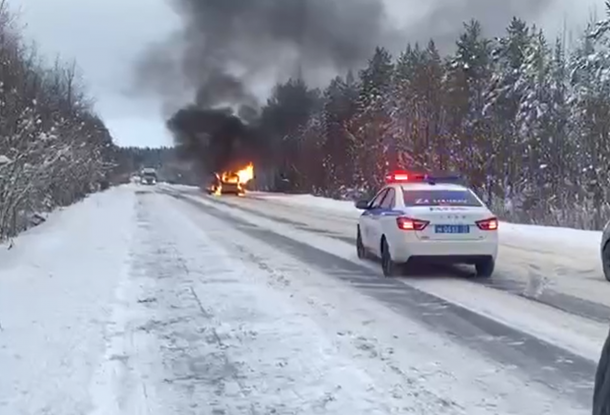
[(408, 224), (490, 224)]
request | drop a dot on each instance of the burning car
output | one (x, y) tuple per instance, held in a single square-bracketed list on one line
[(231, 182)]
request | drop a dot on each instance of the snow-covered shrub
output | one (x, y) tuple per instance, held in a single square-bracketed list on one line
[(53, 149)]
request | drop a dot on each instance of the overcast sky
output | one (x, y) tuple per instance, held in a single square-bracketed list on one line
[(107, 36)]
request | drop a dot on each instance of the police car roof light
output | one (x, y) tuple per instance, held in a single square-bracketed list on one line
[(403, 177), (398, 177), (444, 178)]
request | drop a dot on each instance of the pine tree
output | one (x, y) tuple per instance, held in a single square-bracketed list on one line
[(590, 78), (561, 161), (402, 104), (340, 101), (526, 122), (503, 101), (288, 109), (469, 71), (371, 122)]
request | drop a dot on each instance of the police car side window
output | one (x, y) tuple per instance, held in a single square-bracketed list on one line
[(378, 199), (388, 201)]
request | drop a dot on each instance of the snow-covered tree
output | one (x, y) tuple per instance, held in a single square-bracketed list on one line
[(370, 124), (525, 120), (471, 141), (53, 149), (340, 105)]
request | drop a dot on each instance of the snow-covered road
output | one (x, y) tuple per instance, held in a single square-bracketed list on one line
[(160, 300)]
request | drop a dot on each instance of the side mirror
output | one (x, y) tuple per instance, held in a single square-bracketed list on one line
[(362, 204)]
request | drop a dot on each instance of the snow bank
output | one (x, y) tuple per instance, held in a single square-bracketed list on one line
[(544, 234), (340, 206), (565, 239), (56, 285)]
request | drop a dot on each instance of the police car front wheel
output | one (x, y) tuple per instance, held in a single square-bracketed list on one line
[(485, 267), (389, 267), (361, 251)]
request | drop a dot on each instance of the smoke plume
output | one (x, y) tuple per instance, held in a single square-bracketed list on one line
[(230, 52), (216, 138), (228, 48)]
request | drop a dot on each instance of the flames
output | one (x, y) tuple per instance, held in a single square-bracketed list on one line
[(246, 174), (240, 178)]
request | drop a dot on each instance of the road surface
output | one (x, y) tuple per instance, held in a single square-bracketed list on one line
[(182, 303)]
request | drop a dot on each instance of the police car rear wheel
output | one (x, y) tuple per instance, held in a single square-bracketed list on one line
[(360, 246), (389, 267), (485, 268)]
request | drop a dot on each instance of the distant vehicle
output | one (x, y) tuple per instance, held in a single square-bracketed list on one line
[(149, 176), (435, 219), (605, 251)]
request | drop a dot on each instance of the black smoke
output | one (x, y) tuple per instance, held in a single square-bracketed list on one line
[(216, 138), (228, 48), (229, 53)]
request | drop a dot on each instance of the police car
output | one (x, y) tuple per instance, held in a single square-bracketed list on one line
[(432, 218)]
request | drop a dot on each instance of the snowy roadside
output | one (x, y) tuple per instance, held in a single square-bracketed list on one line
[(404, 363), (56, 287)]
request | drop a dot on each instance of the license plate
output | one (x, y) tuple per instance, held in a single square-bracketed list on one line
[(452, 229)]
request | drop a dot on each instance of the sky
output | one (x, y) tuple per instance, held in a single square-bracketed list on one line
[(106, 38)]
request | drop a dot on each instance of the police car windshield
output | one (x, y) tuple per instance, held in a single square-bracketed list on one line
[(440, 198)]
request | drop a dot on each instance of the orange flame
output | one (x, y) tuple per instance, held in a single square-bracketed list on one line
[(239, 177), (246, 174)]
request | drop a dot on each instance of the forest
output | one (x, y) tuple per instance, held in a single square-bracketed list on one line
[(523, 118)]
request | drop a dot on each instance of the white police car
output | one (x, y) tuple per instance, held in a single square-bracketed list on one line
[(432, 218)]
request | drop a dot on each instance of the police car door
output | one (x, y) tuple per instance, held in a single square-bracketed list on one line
[(385, 216), (369, 220)]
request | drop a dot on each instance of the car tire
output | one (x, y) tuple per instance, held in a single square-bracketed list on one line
[(606, 261), (360, 249), (388, 266), (485, 268)]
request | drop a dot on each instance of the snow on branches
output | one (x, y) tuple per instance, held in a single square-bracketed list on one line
[(526, 120), (53, 149)]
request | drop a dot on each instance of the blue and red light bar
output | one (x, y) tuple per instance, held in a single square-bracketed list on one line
[(402, 176)]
